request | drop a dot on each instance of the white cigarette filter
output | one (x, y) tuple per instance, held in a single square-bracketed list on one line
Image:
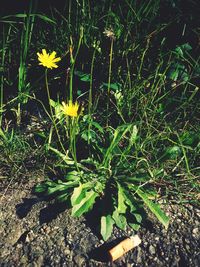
[(123, 247)]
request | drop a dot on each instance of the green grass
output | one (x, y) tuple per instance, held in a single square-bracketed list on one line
[(20, 157), (139, 132)]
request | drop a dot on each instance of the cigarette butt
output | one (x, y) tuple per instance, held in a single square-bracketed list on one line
[(123, 247)]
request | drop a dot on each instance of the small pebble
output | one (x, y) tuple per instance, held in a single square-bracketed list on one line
[(47, 230), (67, 251), (79, 260), (152, 249), (195, 231)]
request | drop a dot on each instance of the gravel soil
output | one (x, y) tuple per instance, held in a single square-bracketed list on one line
[(36, 233)]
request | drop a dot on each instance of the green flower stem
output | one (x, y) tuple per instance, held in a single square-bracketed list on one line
[(51, 112), (71, 83), (91, 83), (69, 12), (72, 146), (72, 62), (90, 95), (109, 75)]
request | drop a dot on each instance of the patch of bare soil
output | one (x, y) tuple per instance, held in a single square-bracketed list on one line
[(36, 233)]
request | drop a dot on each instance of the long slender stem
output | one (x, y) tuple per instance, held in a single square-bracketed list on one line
[(51, 111), (142, 59), (72, 146), (71, 83), (91, 83), (73, 61), (90, 95), (69, 14), (109, 75), (185, 155), (110, 65), (2, 79), (48, 93)]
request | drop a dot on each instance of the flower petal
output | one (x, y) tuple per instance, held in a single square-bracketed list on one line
[(52, 55), (56, 59), (44, 52)]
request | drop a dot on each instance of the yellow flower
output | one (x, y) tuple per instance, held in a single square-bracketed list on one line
[(70, 109), (48, 60)]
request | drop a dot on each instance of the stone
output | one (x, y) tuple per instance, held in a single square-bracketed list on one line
[(39, 261), (152, 249), (195, 231), (47, 230), (67, 251), (79, 260), (139, 255), (187, 248)]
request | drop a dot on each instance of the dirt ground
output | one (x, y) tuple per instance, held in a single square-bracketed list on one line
[(36, 233)]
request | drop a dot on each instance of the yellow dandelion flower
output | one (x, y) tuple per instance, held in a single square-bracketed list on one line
[(70, 109), (47, 60)]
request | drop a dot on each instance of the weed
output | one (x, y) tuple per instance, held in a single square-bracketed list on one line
[(123, 110)]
